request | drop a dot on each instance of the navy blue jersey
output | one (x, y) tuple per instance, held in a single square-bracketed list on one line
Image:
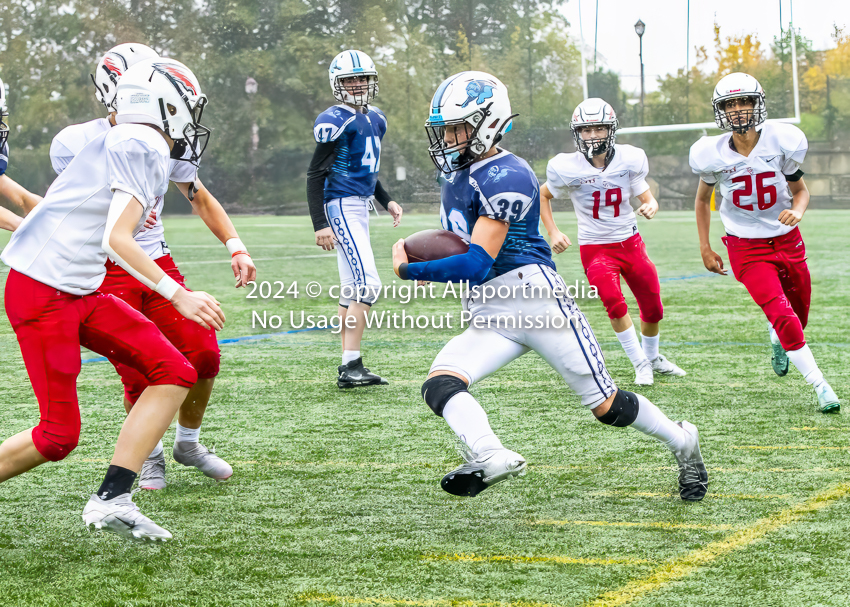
[(4, 158), (358, 150), (502, 187)]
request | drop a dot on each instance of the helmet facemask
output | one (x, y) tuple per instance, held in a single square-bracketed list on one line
[(4, 128), (597, 145), (451, 158), (360, 95), (740, 120), (195, 135)]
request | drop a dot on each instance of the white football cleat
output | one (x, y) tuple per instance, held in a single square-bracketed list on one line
[(198, 456), (643, 374), (482, 471), (152, 476), (121, 515), (662, 366)]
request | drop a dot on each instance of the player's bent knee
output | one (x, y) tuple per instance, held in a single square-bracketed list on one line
[(207, 363), (623, 411), (438, 390), (174, 372), (59, 445), (616, 309)]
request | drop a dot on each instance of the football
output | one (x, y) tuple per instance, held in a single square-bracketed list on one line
[(429, 245)]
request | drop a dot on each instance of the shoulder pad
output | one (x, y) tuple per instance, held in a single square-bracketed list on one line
[(331, 123), (705, 155)]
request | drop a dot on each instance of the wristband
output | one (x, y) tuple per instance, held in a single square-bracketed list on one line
[(236, 247), (167, 287)]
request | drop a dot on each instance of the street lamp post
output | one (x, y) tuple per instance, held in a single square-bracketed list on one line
[(251, 91), (640, 28)]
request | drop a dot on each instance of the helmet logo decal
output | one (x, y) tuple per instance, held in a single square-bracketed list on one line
[(496, 175), (110, 65), (478, 91), (180, 77)]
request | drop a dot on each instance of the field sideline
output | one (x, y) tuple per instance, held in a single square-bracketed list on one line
[(335, 499)]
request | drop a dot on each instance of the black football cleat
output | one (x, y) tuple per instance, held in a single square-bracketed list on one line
[(355, 375), (693, 477)]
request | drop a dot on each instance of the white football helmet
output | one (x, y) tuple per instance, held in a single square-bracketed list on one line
[(112, 66), (736, 86), (479, 102), (594, 112), (165, 93), (4, 112), (351, 64)]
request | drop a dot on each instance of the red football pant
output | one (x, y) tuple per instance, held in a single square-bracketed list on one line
[(775, 273), (604, 263), (52, 325), (197, 344)]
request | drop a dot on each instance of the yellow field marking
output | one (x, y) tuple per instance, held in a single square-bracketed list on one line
[(738, 496), (516, 558), (649, 525), (791, 447), (684, 566), (835, 428), (363, 600)]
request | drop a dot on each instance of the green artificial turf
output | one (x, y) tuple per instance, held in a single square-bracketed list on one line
[(335, 498)]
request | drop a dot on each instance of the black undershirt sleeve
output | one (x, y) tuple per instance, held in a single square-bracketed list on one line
[(381, 195), (320, 166), (795, 176)]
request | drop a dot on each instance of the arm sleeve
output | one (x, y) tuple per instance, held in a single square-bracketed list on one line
[(320, 166), (637, 179), (474, 265), (794, 158), (183, 171), (381, 195), (554, 182), (4, 158), (60, 155), (136, 168), (120, 201), (696, 166)]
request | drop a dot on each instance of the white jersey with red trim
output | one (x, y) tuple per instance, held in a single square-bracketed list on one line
[(60, 243), (74, 138), (601, 197), (754, 189)]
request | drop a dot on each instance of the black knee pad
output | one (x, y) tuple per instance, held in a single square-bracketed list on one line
[(439, 389), (623, 411)]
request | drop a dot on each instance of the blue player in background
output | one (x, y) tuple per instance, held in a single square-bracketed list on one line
[(491, 199), (10, 190), (342, 185)]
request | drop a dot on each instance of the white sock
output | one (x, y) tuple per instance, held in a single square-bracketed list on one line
[(157, 451), (774, 338), (804, 360), (469, 421), (187, 435), (629, 341), (650, 345), (349, 355), (652, 421)]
